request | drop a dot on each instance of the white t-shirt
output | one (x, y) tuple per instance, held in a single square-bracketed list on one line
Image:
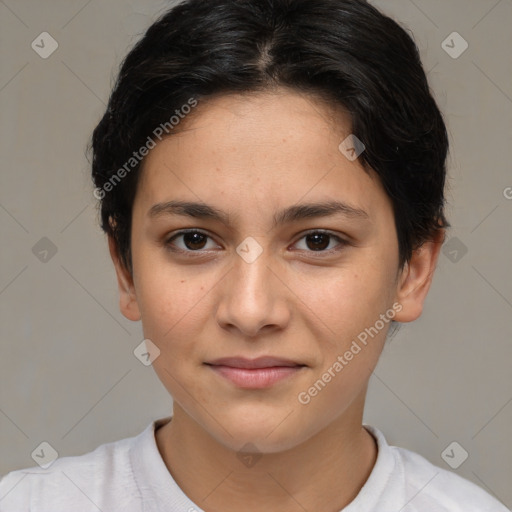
[(130, 476)]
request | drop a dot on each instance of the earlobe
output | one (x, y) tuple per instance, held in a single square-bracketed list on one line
[(416, 277), (127, 298)]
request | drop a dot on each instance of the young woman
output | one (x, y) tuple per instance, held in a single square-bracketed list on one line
[(271, 177)]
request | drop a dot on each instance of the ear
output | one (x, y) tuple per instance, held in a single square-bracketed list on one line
[(416, 277), (127, 298)]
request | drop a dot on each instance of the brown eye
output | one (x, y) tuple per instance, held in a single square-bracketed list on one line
[(319, 241), (194, 240), (191, 241)]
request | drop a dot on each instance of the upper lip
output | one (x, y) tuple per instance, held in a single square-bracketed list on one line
[(259, 362)]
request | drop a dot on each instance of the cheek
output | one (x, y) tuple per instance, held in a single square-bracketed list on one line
[(352, 300), (170, 296), (174, 309), (177, 317), (351, 308)]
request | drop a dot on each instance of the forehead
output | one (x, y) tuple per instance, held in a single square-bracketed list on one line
[(259, 151)]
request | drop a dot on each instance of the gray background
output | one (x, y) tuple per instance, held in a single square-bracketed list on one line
[(67, 369)]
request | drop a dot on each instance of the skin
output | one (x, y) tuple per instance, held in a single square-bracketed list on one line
[(252, 156)]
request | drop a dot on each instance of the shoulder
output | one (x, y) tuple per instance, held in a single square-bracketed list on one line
[(74, 483), (404, 480), (430, 487)]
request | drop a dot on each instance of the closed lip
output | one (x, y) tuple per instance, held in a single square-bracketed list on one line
[(260, 362)]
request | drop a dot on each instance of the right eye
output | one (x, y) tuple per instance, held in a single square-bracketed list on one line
[(192, 240)]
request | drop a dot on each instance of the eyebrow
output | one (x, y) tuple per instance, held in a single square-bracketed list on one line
[(291, 214)]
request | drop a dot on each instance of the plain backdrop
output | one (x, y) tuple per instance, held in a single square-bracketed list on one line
[(68, 374)]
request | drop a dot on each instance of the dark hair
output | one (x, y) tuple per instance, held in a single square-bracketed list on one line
[(343, 51)]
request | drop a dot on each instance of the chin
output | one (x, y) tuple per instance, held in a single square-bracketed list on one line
[(269, 433)]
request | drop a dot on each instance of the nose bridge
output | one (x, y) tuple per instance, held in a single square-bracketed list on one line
[(251, 281), (251, 296)]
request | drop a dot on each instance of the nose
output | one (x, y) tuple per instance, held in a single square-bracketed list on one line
[(252, 298)]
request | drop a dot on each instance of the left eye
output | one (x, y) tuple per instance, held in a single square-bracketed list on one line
[(195, 241), (320, 241)]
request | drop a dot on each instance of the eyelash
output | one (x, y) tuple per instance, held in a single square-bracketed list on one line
[(191, 253)]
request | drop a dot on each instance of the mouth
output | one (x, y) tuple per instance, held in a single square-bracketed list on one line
[(259, 373)]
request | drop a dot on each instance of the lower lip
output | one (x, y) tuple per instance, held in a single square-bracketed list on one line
[(255, 378)]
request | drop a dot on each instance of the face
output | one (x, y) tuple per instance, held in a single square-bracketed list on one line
[(291, 254)]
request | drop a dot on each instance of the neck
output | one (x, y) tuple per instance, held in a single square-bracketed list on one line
[(326, 472)]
